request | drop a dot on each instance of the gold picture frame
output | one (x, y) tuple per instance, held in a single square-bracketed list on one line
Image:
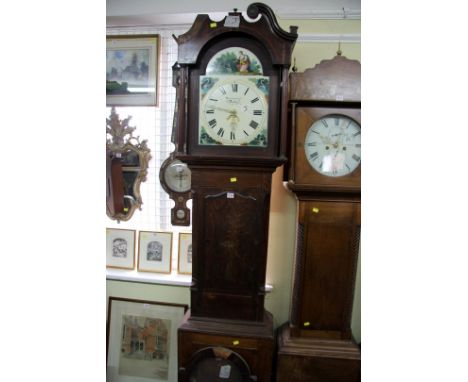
[(185, 254), (132, 70), (142, 340), (120, 248), (154, 251)]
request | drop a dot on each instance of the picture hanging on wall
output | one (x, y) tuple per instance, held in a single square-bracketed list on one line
[(120, 248), (185, 253), (142, 340), (155, 251), (132, 70)]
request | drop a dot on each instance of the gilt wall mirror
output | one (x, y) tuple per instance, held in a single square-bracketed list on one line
[(126, 167)]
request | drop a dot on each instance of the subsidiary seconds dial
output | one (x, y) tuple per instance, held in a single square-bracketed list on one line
[(234, 111), (333, 145)]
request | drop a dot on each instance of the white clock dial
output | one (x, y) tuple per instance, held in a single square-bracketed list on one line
[(333, 145), (234, 111), (178, 176)]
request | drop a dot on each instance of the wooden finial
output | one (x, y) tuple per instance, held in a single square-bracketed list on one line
[(294, 68)]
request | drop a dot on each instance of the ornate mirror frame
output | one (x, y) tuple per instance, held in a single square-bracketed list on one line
[(131, 169)]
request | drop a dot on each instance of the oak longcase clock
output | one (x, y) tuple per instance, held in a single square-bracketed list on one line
[(324, 173), (231, 131)]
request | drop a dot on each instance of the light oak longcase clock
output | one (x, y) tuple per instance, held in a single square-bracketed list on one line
[(324, 172), (232, 133)]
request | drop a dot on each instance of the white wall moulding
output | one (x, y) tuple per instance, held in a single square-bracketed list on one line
[(184, 21), (340, 14), (291, 9), (330, 38), (303, 37), (149, 278), (168, 20), (173, 279), (167, 16)]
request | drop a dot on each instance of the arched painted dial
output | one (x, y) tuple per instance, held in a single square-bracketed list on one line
[(234, 111), (333, 145)]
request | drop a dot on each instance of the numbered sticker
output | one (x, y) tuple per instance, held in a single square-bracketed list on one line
[(232, 21), (225, 371)]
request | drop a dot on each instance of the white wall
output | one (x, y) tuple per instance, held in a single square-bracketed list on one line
[(320, 8)]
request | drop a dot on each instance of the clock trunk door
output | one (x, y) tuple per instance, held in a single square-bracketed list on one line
[(230, 243), (329, 255)]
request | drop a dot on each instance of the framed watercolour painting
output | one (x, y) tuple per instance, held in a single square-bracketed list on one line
[(132, 70), (120, 248), (155, 251), (142, 340), (185, 253)]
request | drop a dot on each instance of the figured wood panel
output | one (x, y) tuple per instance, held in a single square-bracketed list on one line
[(294, 368), (232, 239), (229, 242), (328, 267), (313, 360), (338, 79)]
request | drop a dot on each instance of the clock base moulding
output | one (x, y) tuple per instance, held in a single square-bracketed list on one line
[(316, 360), (254, 342)]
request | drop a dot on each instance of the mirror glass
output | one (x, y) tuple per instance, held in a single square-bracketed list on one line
[(126, 167)]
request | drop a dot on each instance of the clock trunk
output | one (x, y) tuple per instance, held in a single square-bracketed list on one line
[(231, 211), (316, 344)]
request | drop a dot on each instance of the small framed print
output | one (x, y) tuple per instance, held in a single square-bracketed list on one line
[(132, 70), (142, 340), (120, 248), (185, 253), (155, 251)]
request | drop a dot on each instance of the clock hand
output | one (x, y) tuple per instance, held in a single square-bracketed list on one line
[(233, 118), (232, 111), (325, 139)]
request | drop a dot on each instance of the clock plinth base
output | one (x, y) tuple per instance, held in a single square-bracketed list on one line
[(253, 341), (316, 360)]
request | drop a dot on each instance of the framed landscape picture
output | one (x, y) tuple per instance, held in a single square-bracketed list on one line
[(120, 248), (185, 253), (132, 70), (155, 251), (142, 340)]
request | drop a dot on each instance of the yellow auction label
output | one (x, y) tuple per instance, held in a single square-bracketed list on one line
[(315, 210), (233, 179), (307, 323), (235, 343)]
